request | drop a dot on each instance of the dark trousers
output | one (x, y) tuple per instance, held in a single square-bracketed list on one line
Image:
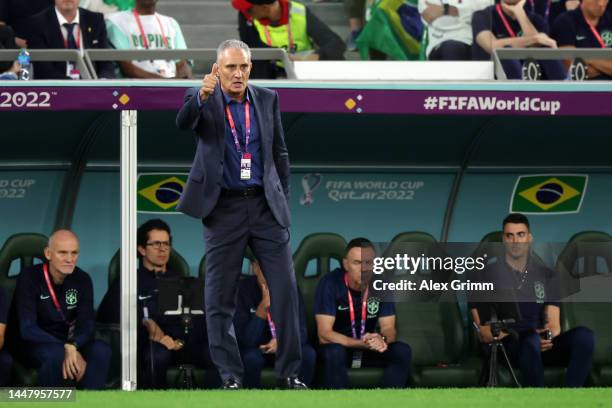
[(234, 223), (48, 359), (572, 349), (155, 374), (451, 51), (254, 361), (396, 361), (551, 69), (6, 364)]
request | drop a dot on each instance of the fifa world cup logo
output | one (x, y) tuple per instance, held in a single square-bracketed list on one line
[(310, 182)]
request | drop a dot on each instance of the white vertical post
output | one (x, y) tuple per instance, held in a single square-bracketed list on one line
[(129, 164)]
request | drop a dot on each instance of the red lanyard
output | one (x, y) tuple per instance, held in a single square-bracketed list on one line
[(289, 35), (505, 21), (77, 39), (52, 291), (272, 326), (546, 11), (145, 41), (364, 303), (600, 40), (247, 114)]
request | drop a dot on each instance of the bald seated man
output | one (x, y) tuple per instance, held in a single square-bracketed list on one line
[(54, 305)]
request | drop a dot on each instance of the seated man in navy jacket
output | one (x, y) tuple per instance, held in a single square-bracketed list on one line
[(588, 26), (347, 321), (508, 24), (160, 337), (256, 331), (6, 361), (54, 304), (538, 338)]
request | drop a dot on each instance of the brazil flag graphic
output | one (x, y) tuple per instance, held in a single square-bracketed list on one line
[(160, 193), (549, 194)]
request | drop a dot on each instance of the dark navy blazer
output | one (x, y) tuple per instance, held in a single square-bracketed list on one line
[(205, 178)]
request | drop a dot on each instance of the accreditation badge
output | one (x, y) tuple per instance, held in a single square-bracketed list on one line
[(357, 359), (245, 167)]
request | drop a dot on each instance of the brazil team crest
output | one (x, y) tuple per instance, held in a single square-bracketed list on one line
[(540, 291), (160, 192), (373, 306), (549, 194), (72, 297)]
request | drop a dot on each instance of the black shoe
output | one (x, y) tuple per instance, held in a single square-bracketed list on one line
[(231, 384), (291, 383)]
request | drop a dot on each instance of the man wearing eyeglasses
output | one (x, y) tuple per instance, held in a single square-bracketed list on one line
[(160, 337)]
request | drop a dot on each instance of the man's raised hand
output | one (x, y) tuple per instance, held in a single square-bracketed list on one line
[(209, 83)]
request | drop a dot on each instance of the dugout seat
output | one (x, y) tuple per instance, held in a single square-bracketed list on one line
[(25, 248), (587, 255), (433, 327), (322, 248)]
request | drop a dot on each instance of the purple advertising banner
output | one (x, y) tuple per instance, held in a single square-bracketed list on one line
[(322, 100)]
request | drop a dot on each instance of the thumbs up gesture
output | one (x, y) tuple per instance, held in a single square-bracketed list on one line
[(209, 83)]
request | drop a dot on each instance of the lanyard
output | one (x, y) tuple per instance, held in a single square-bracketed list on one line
[(289, 35), (272, 326), (505, 21), (77, 40), (247, 114), (52, 292), (546, 10), (364, 304), (145, 41), (600, 40)]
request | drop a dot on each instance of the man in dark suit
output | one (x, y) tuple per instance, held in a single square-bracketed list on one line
[(66, 25), (238, 185)]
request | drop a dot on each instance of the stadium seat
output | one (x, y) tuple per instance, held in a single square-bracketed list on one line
[(433, 328), (578, 261), (322, 248), (25, 247)]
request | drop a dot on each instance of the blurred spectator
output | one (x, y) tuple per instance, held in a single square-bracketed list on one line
[(289, 25), (65, 25), (8, 69), (6, 361), (107, 6), (549, 9), (143, 28), (507, 24), (449, 24), (17, 13), (356, 13), (588, 26)]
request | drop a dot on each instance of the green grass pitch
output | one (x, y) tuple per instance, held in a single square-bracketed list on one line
[(426, 398)]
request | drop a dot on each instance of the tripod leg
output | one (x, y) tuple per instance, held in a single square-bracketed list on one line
[(492, 381), (503, 349)]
